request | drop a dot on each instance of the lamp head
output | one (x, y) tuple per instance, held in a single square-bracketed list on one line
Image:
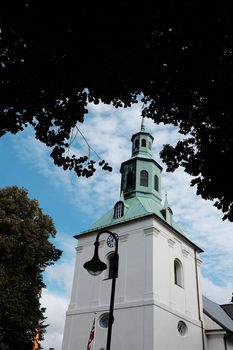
[(95, 266)]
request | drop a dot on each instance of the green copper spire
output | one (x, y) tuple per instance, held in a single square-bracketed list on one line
[(140, 193), (141, 174)]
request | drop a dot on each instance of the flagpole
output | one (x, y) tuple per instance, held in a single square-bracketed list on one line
[(91, 340), (95, 331)]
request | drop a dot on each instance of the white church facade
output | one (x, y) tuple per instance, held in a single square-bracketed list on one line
[(158, 300)]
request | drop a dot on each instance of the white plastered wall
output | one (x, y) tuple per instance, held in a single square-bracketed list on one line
[(148, 305)]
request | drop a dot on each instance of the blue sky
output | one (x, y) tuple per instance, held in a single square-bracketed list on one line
[(75, 203)]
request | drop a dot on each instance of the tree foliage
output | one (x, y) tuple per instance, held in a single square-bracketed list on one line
[(176, 54), (25, 252)]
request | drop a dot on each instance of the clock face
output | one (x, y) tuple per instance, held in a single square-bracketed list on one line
[(104, 320), (111, 240)]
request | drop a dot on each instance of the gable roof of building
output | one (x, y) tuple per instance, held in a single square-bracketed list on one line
[(135, 208), (217, 314), (228, 308)]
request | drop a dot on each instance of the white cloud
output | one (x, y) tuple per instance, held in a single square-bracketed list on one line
[(35, 153), (56, 297), (67, 244), (219, 294), (56, 307), (60, 275)]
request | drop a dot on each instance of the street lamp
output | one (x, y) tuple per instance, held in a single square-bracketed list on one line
[(95, 266)]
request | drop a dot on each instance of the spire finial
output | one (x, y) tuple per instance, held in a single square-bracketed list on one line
[(142, 125), (165, 201), (122, 196)]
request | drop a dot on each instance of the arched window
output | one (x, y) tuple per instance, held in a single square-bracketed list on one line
[(150, 145), (156, 183), (143, 142), (136, 144), (178, 273), (111, 264), (118, 210), (144, 178), (129, 181)]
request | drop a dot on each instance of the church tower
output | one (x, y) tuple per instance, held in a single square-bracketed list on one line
[(158, 303), (141, 174)]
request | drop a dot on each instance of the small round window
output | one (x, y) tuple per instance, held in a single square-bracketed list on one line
[(104, 319), (182, 328)]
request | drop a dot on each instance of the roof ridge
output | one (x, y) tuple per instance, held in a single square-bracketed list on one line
[(217, 313)]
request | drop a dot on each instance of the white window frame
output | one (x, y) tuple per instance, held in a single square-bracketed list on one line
[(178, 273)]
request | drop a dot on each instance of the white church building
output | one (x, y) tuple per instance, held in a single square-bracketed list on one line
[(158, 301)]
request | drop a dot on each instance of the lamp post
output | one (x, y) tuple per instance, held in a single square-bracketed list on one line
[(95, 266)]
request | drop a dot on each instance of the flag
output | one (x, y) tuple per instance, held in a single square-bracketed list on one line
[(36, 339), (91, 337)]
